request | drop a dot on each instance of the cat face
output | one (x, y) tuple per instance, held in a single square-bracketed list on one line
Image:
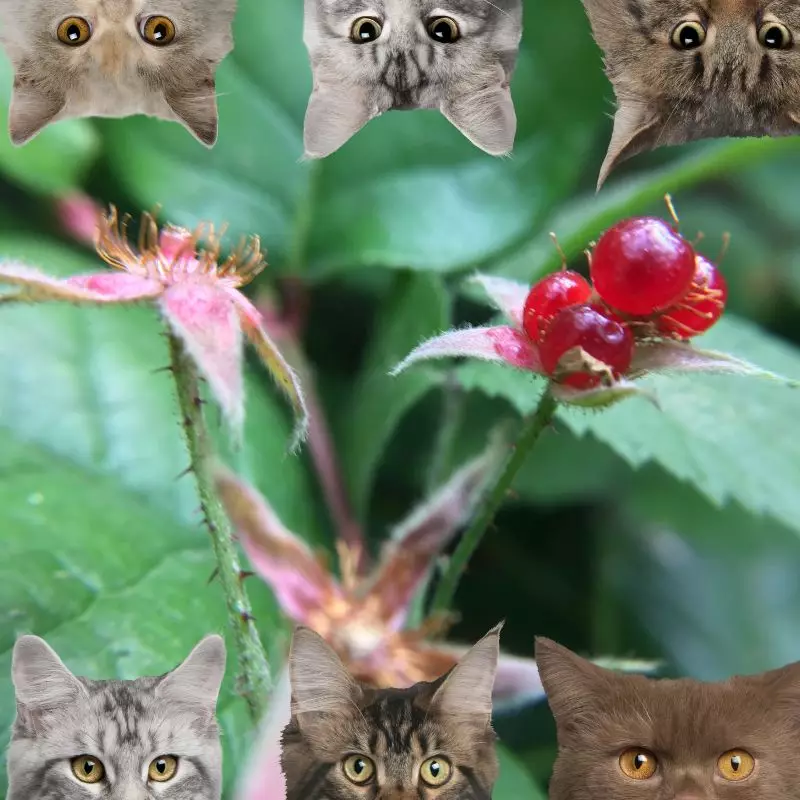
[(114, 58), (347, 741), (145, 739), (627, 737), (370, 56), (694, 69)]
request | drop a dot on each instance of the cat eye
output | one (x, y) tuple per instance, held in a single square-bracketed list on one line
[(444, 29), (88, 769), (74, 31), (162, 769), (158, 31), (436, 771), (365, 29), (689, 35), (736, 765), (775, 36), (358, 769), (638, 763)]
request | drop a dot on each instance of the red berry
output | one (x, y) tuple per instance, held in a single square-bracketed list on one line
[(701, 307), (551, 294), (595, 329), (641, 266)]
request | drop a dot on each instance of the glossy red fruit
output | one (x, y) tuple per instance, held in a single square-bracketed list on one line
[(598, 331), (701, 307), (549, 296), (642, 266)]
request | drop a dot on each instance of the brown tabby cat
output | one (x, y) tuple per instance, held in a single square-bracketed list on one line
[(696, 69), (628, 737), (350, 741)]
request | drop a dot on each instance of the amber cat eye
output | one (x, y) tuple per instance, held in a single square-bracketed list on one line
[(74, 31), (775, 36), (358, 769), (736, 765), (162, 769), (365, 29), (158, 30), (688, 35), (88, 769), (435, 771), (638, 763), (444, 29)]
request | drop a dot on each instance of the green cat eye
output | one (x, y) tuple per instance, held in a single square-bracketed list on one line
[(358, 769), (162, 769), (688, 35), (775, 36), (88, 769), (365, 29), (436, 771)]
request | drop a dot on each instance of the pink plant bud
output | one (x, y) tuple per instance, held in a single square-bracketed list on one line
[(79, 216)]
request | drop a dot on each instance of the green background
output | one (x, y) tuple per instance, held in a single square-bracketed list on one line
[(634, 533)]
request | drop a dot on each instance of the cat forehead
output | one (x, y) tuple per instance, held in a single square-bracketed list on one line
[(38, 12), (658, 13), (481, 9)]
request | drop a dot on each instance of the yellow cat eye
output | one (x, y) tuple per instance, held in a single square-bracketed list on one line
[(638, 763), (736, 765), (688, 35), (88, 769), (158, 30), (358, 769), (435, 771), (775, 36), (74, 31), (444, 29), (365, 29), (162, 769)]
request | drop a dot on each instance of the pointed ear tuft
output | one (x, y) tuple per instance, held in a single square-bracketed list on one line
[(32, 108), (635, 131), (195, 106), (197, 680), (486, 116), (41, 680), (320, 681), (334, 115), (467, 689)]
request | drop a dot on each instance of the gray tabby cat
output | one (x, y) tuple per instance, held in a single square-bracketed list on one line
[(145, 739), (371, 56), (115, 58), (350, 741), (685, 70)]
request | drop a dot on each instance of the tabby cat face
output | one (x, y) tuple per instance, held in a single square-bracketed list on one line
[(145, 739), (370, 56), (348, 741), (693, 69), (628, 737), (115, 58)]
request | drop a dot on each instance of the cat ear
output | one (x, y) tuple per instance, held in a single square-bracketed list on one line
[(195, 106), (334, 115), (197, 680), (32, 108), (486, 116), (320, 682), (635, 130), (467, 689), (41, 680)]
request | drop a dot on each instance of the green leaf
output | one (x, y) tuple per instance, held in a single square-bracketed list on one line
[(515, 781), (57, 160), (409, 191), (418, 308), (725, 435)]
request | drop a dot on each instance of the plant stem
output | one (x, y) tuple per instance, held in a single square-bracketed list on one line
[(532, 429), (452, 415), (254, 680)]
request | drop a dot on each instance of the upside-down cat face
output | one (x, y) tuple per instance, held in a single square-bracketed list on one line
[(371, 56), (115, 58), (349, 741), (144, 739), (696, 69), (628, 737)]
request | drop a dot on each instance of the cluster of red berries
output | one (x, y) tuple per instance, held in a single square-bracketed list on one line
[(647, 282)]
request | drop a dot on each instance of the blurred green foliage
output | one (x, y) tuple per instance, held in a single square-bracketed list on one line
[(634, 532)]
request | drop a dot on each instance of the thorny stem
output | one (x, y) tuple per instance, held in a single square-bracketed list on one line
[(532, 429), (254, 680)]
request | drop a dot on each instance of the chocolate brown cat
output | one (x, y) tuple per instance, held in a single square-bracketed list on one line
[(628, 737)]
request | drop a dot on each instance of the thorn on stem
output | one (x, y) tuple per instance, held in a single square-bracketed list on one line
[(245, 573), (185, 472), (213, 576), (246, 617), (167, 368)]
